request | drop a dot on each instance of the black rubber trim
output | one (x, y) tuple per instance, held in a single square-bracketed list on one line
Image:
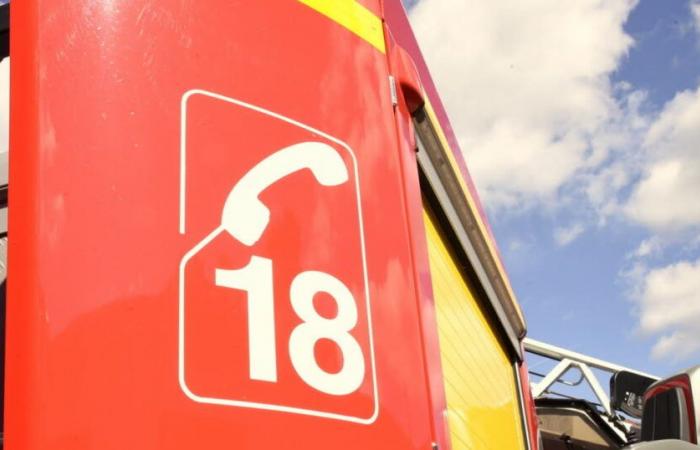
[(4, 31), (3, 196)]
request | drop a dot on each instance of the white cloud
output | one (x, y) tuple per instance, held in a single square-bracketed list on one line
[(565, 236), (647, 247), (519, 245), (527, 87), (669, 304), (666, 201), (695, 11), (666, 198)]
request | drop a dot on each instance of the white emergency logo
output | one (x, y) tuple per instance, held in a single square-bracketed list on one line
[(246, 218)]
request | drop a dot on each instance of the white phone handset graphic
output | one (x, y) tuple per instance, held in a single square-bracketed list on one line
[(245, 217)]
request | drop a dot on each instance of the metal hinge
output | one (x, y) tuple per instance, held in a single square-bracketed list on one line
[(392, 89)]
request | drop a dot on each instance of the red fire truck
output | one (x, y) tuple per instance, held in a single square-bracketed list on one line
[(249, 225), (638, 412), (245, 225)]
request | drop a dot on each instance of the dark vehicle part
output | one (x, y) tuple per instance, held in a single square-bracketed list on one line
[(670, 410), (627, 392)]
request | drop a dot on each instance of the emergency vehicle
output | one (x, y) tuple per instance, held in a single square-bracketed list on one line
[(246, 225), (641, 411), (249, 225)]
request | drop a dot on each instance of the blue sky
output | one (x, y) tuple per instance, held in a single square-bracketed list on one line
[(664, 59), (580, 122)]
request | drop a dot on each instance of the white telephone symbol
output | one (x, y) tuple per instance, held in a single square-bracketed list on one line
[(245, 218)]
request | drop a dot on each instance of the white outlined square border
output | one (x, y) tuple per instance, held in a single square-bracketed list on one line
[(183, 263)]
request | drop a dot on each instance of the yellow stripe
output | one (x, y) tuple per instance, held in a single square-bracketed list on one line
[(472, 206), (353, 16)]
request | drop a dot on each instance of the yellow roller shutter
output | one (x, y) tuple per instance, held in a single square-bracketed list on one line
[(480, 384)]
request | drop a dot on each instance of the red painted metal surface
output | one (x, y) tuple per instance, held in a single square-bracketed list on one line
[(529, 405), (407, 78), (98, 255), (418, 243)]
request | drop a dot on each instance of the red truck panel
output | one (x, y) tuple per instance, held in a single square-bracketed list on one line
[(210, 233)]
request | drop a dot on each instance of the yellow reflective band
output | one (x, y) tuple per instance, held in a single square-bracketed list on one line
[(353, 16), (483, 410)]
